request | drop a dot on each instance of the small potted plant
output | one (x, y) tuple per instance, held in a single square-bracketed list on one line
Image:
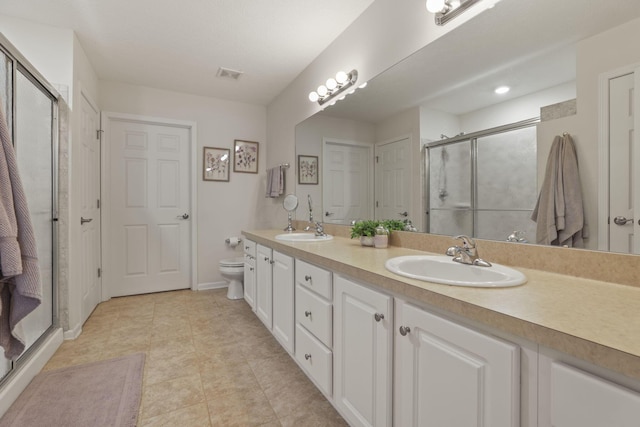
[(365, 230)]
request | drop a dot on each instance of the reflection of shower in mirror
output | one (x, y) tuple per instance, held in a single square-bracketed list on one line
[(442, 174)]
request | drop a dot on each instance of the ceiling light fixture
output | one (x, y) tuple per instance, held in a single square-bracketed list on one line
[(333, 87), (446, 10)]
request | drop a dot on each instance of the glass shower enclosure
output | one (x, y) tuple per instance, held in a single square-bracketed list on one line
[(483, 184), (31, 110)]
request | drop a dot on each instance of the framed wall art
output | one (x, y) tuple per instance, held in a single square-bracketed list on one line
[(215, 164), (245, 156), (307, 169)]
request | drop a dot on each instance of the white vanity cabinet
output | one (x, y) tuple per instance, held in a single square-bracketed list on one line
[(580, 399), (314, 323), (363, 347), (264, 285), (283, 300), (250, 273), (449, 375)]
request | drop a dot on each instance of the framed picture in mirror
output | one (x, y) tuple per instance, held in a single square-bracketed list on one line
[(245, 156), (307, 169), (215, 164)]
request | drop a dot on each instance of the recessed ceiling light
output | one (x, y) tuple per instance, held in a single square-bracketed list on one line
[(502, 90)]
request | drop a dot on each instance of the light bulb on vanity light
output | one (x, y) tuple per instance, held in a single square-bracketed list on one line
[(501, 90), (313, 97), (341, 77), (322, 91), (331, 84), (436, 6)]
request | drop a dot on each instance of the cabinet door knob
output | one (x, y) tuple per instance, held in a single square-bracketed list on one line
[(378, 316), (272, 262), (307, 314), (404, 330), (250, 268), (307, 356), (266, 258), (307, 278)]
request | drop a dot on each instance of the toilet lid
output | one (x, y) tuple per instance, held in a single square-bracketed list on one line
[(232, 262)]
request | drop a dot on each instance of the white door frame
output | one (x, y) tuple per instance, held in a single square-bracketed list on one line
[(603, 147), (105, 189)]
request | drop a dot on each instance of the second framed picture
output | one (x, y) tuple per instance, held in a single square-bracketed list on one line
[(245, 156), (307, 169)]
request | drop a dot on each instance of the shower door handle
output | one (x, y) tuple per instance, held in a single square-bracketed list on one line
[(85, 220)]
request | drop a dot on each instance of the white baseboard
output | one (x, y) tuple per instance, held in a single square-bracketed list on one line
[(20, 380), (212, 285), (73, 333)]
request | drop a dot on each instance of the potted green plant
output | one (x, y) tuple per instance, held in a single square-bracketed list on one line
[(365, 230), (394, 224)]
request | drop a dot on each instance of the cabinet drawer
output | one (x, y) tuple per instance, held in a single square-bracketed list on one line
[(249, 248), (315, 314), (314, 278), (315, 359)]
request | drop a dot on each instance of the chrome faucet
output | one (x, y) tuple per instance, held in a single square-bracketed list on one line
[(317, 227), (467, 253)]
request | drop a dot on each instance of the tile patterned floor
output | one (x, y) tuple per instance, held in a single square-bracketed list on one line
[(210, 362)]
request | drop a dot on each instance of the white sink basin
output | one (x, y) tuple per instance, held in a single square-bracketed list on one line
[(303, 237), (442, 269)]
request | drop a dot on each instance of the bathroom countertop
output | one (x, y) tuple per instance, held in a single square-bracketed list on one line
[(592, 320)]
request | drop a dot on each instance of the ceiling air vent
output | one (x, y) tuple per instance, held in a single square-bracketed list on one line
[(228, 73)]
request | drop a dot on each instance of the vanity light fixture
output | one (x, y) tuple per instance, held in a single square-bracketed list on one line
[(334, 87), (446, 10)]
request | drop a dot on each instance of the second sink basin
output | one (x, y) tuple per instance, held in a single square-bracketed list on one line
[(303, 237), (442, 269)]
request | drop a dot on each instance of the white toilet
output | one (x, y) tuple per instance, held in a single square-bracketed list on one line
[(232, 269)]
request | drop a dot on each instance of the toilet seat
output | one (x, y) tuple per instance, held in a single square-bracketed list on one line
[(232, 262)]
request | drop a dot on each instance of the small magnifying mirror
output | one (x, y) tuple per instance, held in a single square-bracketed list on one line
[(290, 204)]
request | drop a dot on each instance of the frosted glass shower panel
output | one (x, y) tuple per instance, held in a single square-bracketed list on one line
[(34, 145), (450, 176), (507, 170)]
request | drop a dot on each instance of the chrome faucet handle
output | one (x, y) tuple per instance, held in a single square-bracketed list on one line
[(467, 242)]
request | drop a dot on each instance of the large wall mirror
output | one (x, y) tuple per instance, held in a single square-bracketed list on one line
[(567, 59)]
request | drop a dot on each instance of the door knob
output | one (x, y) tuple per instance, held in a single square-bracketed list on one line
[(327, 213), (183, 216), (620, 220), (85, 220), (404, 214)]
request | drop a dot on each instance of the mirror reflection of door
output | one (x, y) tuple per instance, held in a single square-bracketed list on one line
[(623, 176), (346, 192), (393, 180)]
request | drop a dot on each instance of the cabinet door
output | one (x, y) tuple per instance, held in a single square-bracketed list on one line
[(264, 286), (283, 322), (450, 375), (579, 399), (363, 334), (250, 281)]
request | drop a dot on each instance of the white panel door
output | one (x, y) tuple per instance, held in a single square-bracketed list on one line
[(449, 375), (393, 180), (90, 204), (363, 344), (283, 300), (346, 189), (150, 236), (623, 235), (264, 285)]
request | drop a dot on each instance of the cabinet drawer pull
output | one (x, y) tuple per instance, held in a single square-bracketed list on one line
[(272, 262), (307, 356), (307, 278), (266, 258), (404, 330), (250, 268), (307, 314), (246, 247), (378, 316)]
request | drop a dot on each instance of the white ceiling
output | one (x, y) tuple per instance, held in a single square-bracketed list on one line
[(179, 45)]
